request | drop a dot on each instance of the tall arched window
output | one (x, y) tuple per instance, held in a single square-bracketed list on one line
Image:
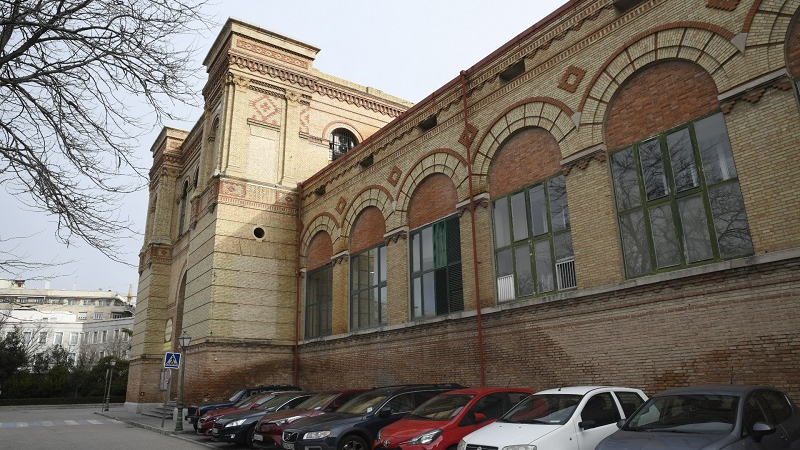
[(184, 197), (341, 141)]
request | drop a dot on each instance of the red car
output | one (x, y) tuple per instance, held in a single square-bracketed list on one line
[(270, 427), (441, 422), (206, 423)]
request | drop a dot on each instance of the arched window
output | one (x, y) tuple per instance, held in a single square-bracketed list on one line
[(184, 197), (341, 141)]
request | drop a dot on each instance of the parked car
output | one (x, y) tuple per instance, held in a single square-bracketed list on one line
[(194, 412), (441, 422), (356, 424), (207, 420), (270, 427), (568, 418), (238, 427), (711, 418)]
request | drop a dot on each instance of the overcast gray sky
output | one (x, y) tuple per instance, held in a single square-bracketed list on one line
[(407, 49)]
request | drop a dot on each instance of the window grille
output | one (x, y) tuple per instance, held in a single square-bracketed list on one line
[(565, 271)]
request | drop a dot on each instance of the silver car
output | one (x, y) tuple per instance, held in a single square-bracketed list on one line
[(711, 418)]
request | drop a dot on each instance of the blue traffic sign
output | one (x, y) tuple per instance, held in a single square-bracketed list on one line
[(172, 360)]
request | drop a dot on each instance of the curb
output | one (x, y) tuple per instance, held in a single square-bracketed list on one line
[(155, 429)]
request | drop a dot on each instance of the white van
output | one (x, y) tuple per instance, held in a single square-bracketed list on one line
[(568, 418)]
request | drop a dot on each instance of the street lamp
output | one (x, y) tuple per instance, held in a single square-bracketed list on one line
[(111, 364), (183, 341)]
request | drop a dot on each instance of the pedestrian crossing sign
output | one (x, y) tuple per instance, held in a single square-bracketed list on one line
[(172, 360)]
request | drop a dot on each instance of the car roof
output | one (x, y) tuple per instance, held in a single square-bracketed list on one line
[(583, 390), (716, 389), (487, 390), (416, 387)]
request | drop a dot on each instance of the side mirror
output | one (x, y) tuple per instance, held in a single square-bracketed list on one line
[(587, 424), (620, 423), (479, 417), (384, 412), (761, 429)]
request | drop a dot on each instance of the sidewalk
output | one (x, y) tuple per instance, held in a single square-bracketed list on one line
[(117, 411)]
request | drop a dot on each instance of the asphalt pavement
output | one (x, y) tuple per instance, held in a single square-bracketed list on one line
[(117, 411)]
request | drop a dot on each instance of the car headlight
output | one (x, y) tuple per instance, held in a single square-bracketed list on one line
[(520, 447), (462, 445), (316, 434), (426, 438), (282, 422), (235, 423)]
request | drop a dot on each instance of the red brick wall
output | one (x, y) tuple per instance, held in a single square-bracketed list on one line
[(793, 49), (530, 155), (434, 198), (320, 251), (658, 98), (712, 328), (368, 230)]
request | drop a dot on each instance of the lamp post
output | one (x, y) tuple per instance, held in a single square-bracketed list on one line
[(183, 341), (111, 365)]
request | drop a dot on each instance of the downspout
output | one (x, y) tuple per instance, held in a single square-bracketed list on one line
[(299, 226), (467, 144)]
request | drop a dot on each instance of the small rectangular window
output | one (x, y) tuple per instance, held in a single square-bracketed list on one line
[(98, 315), (73, 338), (43, 337), (81, 316), (58, 338)]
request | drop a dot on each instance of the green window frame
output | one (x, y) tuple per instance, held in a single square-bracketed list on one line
[(435, 261), (533, 241), (368, 291), (319, 302), (678, 199)]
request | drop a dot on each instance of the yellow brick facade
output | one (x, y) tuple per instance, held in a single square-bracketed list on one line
[(563, 75)]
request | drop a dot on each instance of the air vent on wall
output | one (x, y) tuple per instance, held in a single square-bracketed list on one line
[(624, 5), (428, 123), (513, 71)]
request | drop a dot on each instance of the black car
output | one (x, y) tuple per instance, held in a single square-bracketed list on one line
[(194, 412), (355, 425), (730, 417), (238, 427)]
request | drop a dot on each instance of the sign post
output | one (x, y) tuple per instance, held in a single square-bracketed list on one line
[(171, 361)]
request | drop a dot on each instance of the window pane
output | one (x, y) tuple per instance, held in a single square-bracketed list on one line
[(439, 244), (562, 244), (544, 266), (384, 308), (655, 183), (417, 297), (504, 265), (505, 277), (519, 216), (415, 252), (730, 221), (715, 149), (681, 156), (665, 237), (538, 210), (374, 309), (502, 228), (695, 229), (626, 183), (382, 262), (427, 248), (429, 295), (559, 210), (525, 285), (635, 248)]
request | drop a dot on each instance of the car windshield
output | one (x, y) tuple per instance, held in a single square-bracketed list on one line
[(441, 407), (364, 403), (695, 413), (547, 409), (274, 402), (316, 401), (245, 400), (236, 395)]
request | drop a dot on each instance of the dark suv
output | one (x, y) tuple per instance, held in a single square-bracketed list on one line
[(355, 425), (194, 412)]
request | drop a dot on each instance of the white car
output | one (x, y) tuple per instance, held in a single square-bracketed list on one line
[(568, 418)]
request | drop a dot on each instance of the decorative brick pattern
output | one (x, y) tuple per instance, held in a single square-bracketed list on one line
[(445, 162), (725, 5), (266, 110), (571, 79), (530, 155), (394, 176), (341, 205), (377, 196)]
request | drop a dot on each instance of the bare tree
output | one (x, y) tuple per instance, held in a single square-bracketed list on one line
[(71, 74)]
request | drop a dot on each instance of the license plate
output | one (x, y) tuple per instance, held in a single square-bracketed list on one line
[(258, 437), (288, 445)]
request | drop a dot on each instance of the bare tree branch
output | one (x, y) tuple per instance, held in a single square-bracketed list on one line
[(68, 128)]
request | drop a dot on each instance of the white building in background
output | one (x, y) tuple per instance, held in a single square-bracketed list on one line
[(92, 323)]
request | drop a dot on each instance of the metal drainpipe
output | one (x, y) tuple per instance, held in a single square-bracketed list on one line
[(474, 238), (297, 287)]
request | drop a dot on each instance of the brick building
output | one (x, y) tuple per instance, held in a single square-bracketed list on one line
[(613, 197)]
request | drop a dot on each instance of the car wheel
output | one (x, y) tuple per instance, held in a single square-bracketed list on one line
[(249, 439), (353, 443), (194, 424)]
